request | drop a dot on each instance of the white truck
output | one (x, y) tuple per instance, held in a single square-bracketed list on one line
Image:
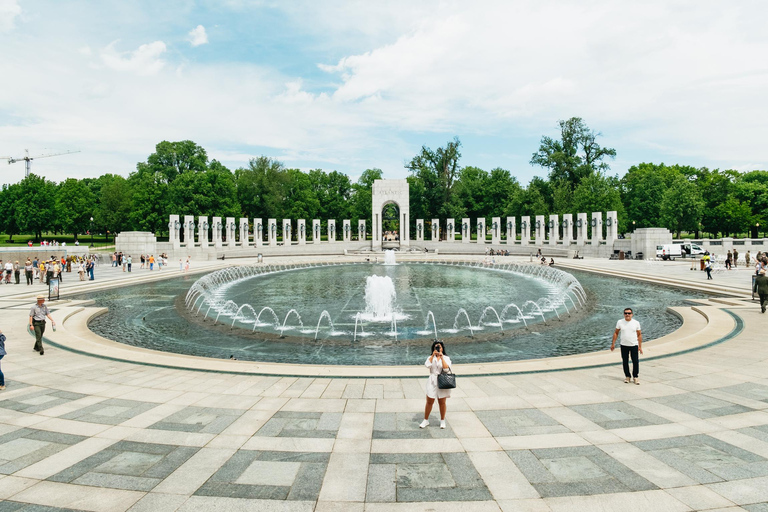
[(692, 249), (669, 251)]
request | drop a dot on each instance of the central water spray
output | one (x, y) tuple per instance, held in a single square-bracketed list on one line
[(380, 298)]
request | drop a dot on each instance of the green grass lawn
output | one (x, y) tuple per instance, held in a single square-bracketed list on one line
[(21, 240)]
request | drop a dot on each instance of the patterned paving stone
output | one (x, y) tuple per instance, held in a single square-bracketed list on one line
[(110, 412), (127, 465), (706, 459), (407, 477), (268, 475), (618, 415), (39, 400), (519, 422), (204, 420), (758, 432), (701, 406), (750, 390), (402, 425), (301, 424), (576, 471), (24, 447), (15, 506)]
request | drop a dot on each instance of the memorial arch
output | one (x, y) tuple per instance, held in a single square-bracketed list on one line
[(386, 192)]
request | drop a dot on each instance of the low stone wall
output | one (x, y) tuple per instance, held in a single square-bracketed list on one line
[(21, 254)]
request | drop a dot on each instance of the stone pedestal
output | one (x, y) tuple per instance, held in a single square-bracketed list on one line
[(511, 231), (245, 233), (301, 227), (347, 230), (465, 230), (567, 229), (611, 227), (481, 230), (258, 232), (419, 230), (316, 231), (231, 229), (361, 234), (581, 228), (645, 240), (496, 230), (189, 231), (332, 230), (525, 233), (554, 229), (435, 230), (597, 227), (174, 225), (450, 230), (272, 232), (133, 243), (540, 227), (216, 228), (287, 232), (202, 232)]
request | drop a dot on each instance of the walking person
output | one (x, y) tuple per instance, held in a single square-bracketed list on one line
[(81, 270), (437, 363), (735, 258), (37, 316), (130, 261), (2, 354), (17, 272), (761, 286), (708, 268), (631, 344), (29, 272)]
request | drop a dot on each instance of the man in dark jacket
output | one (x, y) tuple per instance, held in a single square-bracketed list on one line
[(761, 284)]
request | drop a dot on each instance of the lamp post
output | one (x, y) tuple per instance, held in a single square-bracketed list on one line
[(91, 231)]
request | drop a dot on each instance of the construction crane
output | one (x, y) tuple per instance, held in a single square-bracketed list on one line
[(28, 159)]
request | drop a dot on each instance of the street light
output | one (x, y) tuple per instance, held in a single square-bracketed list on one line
[(91, 231)]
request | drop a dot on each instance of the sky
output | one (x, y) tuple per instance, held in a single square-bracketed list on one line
[(354, 85)]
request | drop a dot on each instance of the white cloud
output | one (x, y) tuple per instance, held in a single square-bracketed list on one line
[(9, 11), (145, 60), (197, 36)]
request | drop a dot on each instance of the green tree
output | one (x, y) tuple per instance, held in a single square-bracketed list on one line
[(681, 206), (260, 188), (599, 193), (149, 200), (9, 197), (576, 156), (437, 171), (171, 159), (113, 205), (362, 196), (35, 207), (74, 206), (470, 192)]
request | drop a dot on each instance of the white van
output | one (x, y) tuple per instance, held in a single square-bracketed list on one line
[(669, 251), (692, 249)]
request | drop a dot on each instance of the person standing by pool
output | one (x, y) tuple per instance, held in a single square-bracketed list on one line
[(436, 363), (761, 285), (2, 354), (631, 344), (37, 316)]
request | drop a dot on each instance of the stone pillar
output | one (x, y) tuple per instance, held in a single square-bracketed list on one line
[(287, 232), (496, 230), (405, 228), (258, 232), (567, 229), (581, 228), (331, 230), (347, 227), (272, 232), (301, 227), (231, 228), (419, 230), (173, 231), (465, 230), (645, 240), (611, 227), (435, 230), (511, 231), (189, 231), (245, 234), (540, 225), (316, 231), (597, 227), (525, 233), (481, 230), (450, 230), (216, 228), (202, 232), (361, 234), (554, 229)]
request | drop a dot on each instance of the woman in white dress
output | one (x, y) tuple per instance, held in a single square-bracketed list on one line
[(436, 363)]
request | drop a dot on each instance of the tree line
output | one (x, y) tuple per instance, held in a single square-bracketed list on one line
[(179, 178)]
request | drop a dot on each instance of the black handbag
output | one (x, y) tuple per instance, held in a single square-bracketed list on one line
[(446, 380)]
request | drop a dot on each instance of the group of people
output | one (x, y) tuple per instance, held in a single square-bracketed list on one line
[(44, 270), (496, 252), (55, 243), (148, 261)]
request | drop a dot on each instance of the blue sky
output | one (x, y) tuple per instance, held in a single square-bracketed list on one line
[(353, 85)]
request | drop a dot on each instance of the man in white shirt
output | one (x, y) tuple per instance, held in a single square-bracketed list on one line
[(631, 343)]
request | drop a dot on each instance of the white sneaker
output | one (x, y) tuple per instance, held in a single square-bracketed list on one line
[(424, 424), (442, 423)]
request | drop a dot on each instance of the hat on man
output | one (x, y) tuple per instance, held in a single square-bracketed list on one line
[(41, 297), (762, 271)]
